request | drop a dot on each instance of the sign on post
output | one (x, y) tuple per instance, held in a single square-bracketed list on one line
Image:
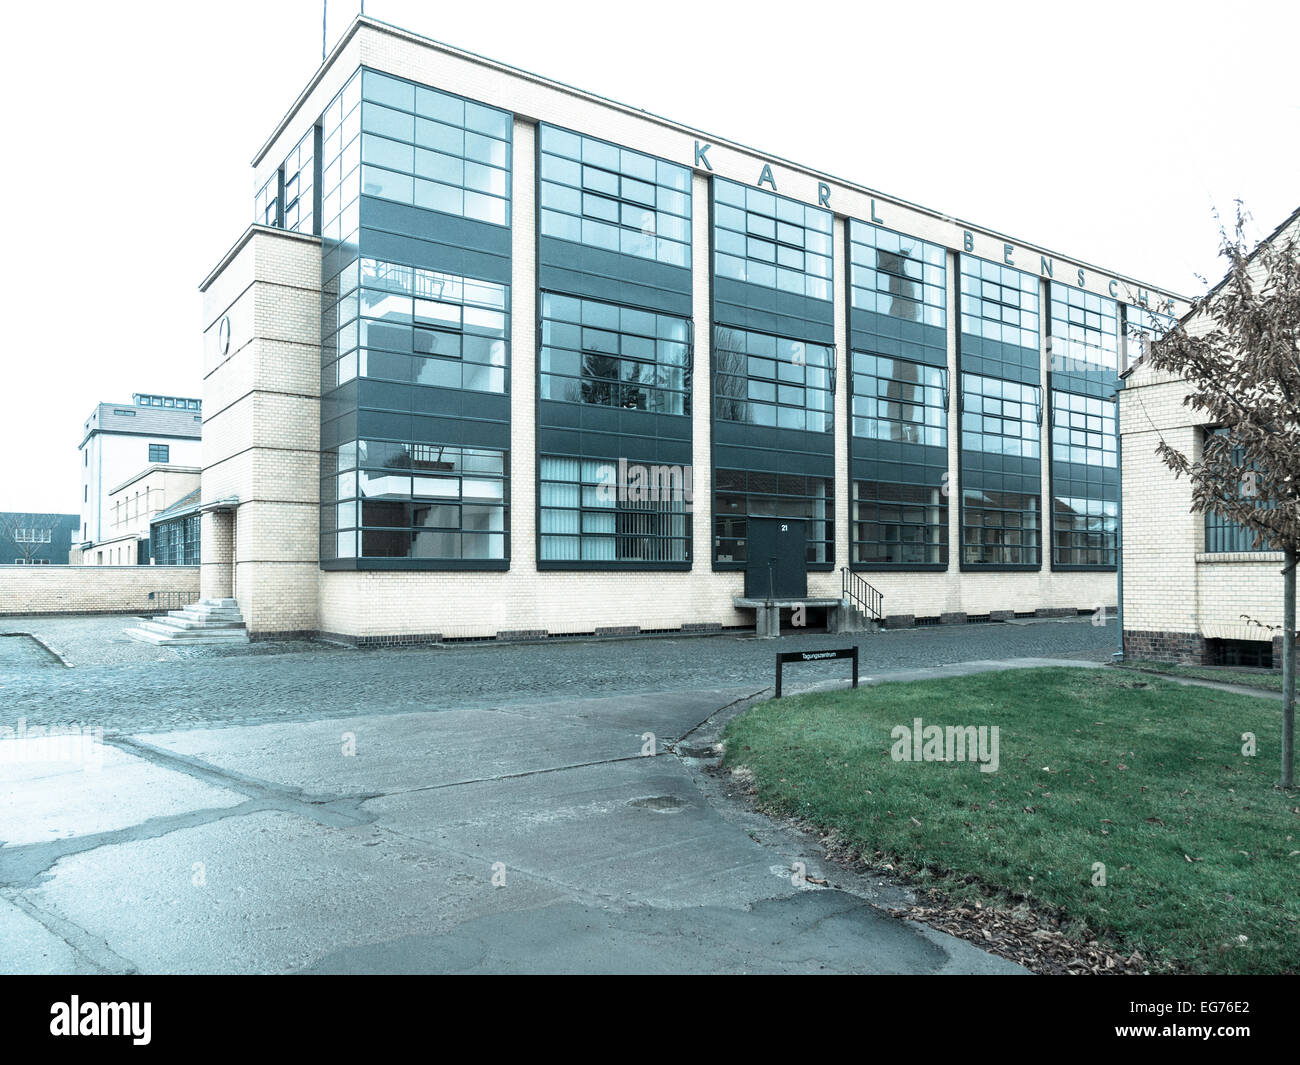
[(815, 656)]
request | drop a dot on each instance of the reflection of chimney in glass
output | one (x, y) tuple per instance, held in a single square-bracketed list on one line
[(906, 302)]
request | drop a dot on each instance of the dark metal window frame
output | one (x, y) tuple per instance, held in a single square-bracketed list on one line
[(1083, 324), (1005, 504), (868, 256), (345, 489), (726, 407), (550, 147), (371, 98), (603, 390), (633, 522), (1222, 534), (924, 370), (996, 299), (1076, 546), (890, 494), (782, 497), (749, 194), (986, 395), (427, 285)]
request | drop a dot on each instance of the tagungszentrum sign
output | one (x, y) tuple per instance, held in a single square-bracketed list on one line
[(815, 656)]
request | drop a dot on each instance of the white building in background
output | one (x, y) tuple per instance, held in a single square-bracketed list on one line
[(122, 442)]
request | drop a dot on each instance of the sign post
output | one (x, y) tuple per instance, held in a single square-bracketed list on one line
[(815, 656)]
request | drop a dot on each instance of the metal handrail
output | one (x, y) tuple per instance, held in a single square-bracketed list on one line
[(171, 600), (864, 596)]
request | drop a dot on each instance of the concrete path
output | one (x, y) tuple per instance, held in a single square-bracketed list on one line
[(576, 835), (1201, 682)]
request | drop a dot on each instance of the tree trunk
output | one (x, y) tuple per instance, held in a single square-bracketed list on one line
[(1288, 668)]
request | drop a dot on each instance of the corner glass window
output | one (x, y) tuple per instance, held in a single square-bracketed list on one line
[(419, 501), (434, 150), (421, 327)]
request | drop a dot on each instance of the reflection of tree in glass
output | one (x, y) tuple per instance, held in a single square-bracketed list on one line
[(601, 382), (599, 378), (418, 457), (636, 374), (730, 378)]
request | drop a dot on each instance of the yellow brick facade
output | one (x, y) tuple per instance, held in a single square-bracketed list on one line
[(261, 431), (103, 589), (262, 407)]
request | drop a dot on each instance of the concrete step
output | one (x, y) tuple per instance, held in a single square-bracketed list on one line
[(172, 621), (200, 616), (212, 608), (160, 626), (857, 620), (210, 621), (147, 633)]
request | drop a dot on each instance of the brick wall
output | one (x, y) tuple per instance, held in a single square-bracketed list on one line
[(462, 605), (1232, 591), (90, 589), (216, 554), (1186, 647)]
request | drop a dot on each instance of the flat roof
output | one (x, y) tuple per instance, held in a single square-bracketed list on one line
[(131, 419), (366, 21), (155, 467)]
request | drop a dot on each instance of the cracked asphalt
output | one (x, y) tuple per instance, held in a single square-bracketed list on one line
[(518, 808)]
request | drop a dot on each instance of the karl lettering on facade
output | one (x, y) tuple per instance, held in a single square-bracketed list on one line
[(1046, 265)]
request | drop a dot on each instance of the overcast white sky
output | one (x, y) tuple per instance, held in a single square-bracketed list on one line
[(1106, 131)]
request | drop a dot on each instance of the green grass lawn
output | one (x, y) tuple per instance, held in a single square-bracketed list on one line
[(1247, 678), (1139, 773)]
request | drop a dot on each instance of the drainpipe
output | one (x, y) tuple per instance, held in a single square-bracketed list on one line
[(1118, 655)]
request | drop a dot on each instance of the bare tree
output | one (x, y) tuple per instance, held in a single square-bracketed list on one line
[(31, 534), (1243, 377)]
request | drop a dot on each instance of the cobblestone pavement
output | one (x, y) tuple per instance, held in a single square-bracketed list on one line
[(21, 652), (125, 687)]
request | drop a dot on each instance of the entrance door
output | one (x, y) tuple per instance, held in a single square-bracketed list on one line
[(776, 558)]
